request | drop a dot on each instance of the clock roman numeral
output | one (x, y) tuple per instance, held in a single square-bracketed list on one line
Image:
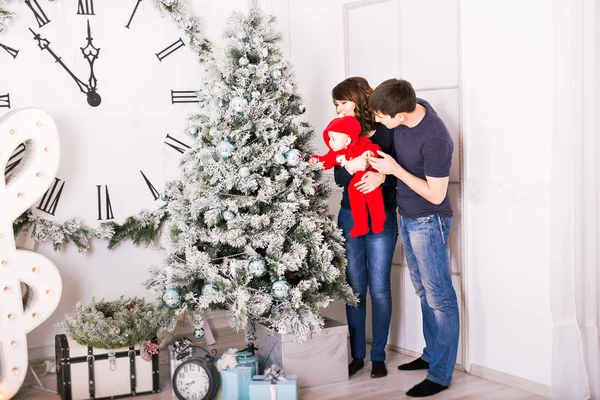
[(50, 200), (85, 7), (184, 96), (5, 100), (178, 145), (132, 14), (39, 14), (170, 49), (10, 51), (14, 159), (109, 212), (153, 190)]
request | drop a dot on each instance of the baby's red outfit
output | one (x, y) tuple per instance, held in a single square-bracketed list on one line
[(358, 201)]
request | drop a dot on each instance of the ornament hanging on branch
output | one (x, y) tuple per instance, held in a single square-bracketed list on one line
[(225, 150), (172, 297), (257, 267), (280, 289)]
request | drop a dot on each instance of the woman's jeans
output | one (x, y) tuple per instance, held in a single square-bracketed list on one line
[(369, 266), (427, 253)]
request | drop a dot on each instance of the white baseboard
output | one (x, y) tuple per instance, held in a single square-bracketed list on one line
[(511, 380)]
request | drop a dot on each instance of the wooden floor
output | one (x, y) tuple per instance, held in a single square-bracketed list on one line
[(360, 387)]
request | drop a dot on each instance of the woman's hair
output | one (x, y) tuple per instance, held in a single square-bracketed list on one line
[(358, 91)]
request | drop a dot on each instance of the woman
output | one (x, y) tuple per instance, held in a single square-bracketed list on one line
[(369, 256)]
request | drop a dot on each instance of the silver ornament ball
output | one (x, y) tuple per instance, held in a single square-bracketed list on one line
[(209, 288), (193, 130), (172, 297), (239, 105), (225, 150), (280, 289), (188, 24), (257, 267), (198, 333), (292, 157), (302, 108)]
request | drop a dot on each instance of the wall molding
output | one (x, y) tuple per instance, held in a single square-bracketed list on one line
[(511, 380)]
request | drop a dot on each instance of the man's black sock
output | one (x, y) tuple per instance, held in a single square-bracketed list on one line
[(379, 370), (419, 363), (425, 388)]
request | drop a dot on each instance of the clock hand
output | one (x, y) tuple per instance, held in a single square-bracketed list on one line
[(43, 44), (90, 53)]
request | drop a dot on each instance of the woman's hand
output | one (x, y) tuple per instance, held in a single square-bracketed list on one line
[(370, 181), (356, 164)]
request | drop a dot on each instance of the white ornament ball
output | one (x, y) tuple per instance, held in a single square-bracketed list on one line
[(255, 95), (188, 24), (209, 288), (243, 61), (225, 150), (198, 333), (228, 215), (244, 172), (171, 297), (257, 267), (280, 289), (292, 157), (241, 35), (276, 74), (302, 108), (239, 105)]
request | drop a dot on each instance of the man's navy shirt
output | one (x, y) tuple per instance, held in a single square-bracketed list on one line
[(423, 150)]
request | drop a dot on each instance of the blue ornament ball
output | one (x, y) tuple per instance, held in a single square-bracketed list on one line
[(225, 150), (188, 24), (257, 267), (292, 157), (193, 130), (198, 333), (280, 289), (209, 288), (239, 105), (172, 297), (243, 61)]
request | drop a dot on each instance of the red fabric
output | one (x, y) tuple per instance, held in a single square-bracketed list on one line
[(348, 125), (361, 204)]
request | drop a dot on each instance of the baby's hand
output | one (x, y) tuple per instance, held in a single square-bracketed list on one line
[(367, 154), (312, 161)]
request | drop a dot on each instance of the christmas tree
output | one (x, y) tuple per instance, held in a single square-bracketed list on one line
[(249, 230)]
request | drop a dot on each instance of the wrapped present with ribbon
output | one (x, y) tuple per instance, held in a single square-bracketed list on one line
[(274, 385), (236, 370)]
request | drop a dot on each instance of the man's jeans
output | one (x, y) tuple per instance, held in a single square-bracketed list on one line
[(369, 266), (427, 252)]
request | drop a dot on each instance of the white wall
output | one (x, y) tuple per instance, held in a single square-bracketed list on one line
[(507, 113)]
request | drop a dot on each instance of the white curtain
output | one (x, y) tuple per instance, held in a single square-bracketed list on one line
[(575, 201)]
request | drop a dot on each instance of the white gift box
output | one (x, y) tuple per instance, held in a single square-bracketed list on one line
[(84, 372), (322, 359)]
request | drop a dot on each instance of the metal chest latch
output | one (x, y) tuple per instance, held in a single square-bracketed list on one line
[(112, 360)]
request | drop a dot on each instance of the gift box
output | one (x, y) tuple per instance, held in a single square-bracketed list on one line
[(274, 390), (235, 383), (321, 359), (84, 372)]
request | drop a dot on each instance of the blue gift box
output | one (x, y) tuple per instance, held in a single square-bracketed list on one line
[(235, 383), (285, 390)]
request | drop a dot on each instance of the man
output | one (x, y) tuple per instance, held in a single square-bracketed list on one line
[(422, 165)]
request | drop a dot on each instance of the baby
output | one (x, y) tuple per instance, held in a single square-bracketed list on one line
[(342, 136)]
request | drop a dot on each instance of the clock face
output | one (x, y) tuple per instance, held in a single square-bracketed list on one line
[(119, 79), (191, 381)]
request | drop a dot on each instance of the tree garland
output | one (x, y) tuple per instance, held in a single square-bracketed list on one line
[(140, 229), (143, 228)]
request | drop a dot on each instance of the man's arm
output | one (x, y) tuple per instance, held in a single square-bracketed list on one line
[(432, 189)]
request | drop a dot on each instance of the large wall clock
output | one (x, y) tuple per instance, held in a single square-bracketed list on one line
[(119, 80)]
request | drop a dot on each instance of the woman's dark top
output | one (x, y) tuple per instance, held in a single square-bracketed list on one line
[(383, 137)]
